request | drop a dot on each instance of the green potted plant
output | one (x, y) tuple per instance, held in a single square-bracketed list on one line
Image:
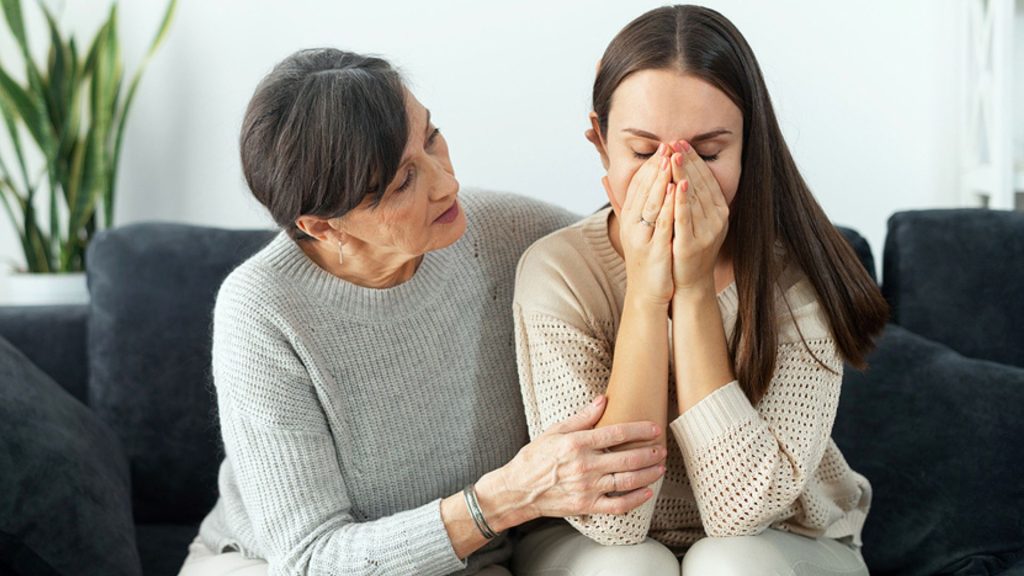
[(59, 190)]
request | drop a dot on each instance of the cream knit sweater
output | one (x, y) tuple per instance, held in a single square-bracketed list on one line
[(733, 468)]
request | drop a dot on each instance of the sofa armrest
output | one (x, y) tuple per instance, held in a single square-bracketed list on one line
[(54, 339)]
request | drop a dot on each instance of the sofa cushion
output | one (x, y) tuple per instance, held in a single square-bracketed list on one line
[(939, 437), (163, 547), (152, 289), (957, 277), (65, 504), (59, 351)]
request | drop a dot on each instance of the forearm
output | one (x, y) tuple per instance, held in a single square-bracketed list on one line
[(638, 386), (700, 350)]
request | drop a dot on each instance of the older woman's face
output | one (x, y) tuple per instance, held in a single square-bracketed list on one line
[(419, 211)]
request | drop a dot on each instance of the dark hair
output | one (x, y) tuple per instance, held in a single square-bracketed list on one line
[(772, 202), (324, 129)]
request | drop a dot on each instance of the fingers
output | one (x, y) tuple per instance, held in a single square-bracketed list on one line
[(664, 225), (628, 481), (622, 503), (658, 189), (683, 216), (630, 460), (640, 185), (712, 192), (617, 434), (585, 419)]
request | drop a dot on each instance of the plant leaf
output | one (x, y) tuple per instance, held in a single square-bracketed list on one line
[(31, 109)]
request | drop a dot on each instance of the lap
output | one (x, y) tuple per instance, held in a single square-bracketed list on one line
[(560, 550), (773, 552), (201, 561)]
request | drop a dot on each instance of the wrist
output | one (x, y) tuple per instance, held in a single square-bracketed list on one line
[(694, 293), (501, 506), (645, 304)]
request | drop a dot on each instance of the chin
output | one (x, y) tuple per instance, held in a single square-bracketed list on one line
[(453, 233)]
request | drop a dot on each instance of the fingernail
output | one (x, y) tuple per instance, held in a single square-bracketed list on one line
[(656, 430), (678, 159), (661, 149), (685, 144), (677, 147), (661, 468)]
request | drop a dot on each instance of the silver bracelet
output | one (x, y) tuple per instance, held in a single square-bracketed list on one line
[(478, 515)]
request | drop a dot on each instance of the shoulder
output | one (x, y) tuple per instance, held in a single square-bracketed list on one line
[(511, 217), (253, 294), (559, 275)]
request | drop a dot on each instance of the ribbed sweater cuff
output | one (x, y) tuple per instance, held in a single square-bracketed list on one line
[(713, 416), (427, 538)]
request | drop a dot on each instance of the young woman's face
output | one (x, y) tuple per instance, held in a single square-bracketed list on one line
[(654, 106), (419, 210)]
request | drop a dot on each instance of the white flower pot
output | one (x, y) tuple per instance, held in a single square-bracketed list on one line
[(20, 289)]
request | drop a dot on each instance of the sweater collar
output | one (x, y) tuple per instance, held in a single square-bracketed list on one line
[(425, 287)]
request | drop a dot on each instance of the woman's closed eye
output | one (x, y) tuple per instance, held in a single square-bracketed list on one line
[(646, 155)]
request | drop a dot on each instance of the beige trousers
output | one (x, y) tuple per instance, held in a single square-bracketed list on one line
[(202, 561), (560, 550)]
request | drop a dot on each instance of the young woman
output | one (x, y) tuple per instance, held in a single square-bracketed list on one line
[(713, 296)]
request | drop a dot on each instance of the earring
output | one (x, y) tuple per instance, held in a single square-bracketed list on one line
[(341, 255)]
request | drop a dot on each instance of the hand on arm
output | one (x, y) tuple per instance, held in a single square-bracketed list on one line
[(565, 471)]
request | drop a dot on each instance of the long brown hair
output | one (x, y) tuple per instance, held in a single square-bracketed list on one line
[(772, 202)]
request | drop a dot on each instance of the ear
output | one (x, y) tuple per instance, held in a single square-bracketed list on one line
[(594, 136), (323, 229)]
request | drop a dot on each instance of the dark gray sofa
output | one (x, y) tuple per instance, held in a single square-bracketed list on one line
[(932, 423)]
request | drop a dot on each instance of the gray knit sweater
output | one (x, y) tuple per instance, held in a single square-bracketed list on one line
[(347, 413)]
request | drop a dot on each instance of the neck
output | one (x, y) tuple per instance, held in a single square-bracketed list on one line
[(363, 266)]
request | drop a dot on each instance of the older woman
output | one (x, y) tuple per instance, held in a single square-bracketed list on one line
[(364, 361)]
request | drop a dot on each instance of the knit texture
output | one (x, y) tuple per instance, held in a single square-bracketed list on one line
[(732, 468), (347, 413)]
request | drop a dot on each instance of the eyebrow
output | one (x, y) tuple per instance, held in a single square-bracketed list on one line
[(695, 140)]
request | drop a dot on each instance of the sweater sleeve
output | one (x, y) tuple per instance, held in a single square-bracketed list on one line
[(276, 435), (561, 370), (748, 466)]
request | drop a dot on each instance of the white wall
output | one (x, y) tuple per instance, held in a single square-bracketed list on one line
[(865, 90)]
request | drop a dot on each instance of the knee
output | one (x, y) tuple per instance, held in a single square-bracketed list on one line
[(730, 556), (649, 557)]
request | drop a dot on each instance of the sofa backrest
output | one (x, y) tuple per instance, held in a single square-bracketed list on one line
[(152, 289), (957, 277)]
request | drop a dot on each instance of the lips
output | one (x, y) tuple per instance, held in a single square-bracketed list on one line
[(449, 215)]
